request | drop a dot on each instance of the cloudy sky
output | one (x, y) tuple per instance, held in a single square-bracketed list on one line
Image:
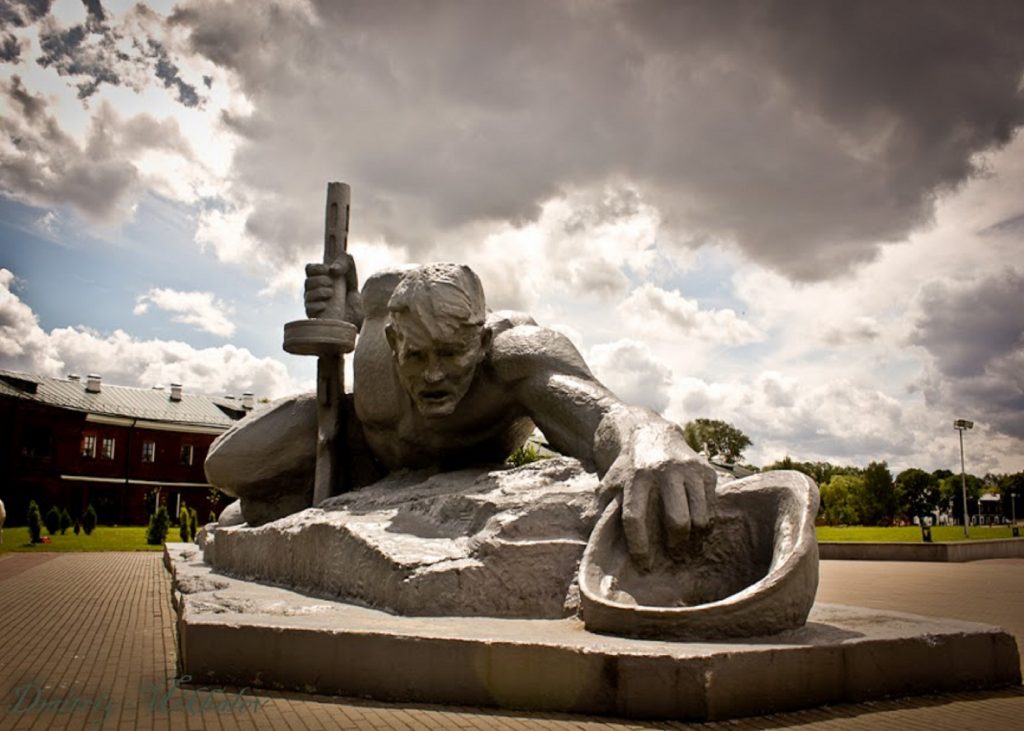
[(803, 217)]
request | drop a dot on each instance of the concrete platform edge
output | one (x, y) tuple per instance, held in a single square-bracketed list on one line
[(947, 551), (502, 663)]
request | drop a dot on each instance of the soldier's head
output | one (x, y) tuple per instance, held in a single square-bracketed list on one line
[(437, 334)]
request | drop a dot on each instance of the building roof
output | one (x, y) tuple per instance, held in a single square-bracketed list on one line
[(153, 404)]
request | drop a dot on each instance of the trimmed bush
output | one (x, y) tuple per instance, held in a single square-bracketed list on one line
[(65, 521), (89, 520), (77, 528), (193, 522), (159, 523), (184, 525), (35, 523), (52, 521), (212, 518)]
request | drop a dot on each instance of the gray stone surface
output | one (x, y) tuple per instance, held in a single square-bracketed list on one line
[(250, 634), (473, 542)]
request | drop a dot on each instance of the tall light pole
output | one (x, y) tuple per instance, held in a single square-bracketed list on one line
[(1013, 511), (962, 425)]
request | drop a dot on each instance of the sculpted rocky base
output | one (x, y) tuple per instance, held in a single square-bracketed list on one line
[(500, 543), (509, 542)]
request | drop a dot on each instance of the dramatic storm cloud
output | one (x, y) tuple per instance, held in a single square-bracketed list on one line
[(801, 216), (98, 52), (101, 178), (974, 333), (768, 125)]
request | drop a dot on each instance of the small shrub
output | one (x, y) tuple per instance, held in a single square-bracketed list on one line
[(193, 522), (212, 518), (89, 520), (184, 525), (35, 523), (65, 521), (52, 521), (525, 455), (77, 528), (159, 523)]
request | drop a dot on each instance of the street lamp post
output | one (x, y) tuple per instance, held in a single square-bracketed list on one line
[(962, 425), (1013, 512)]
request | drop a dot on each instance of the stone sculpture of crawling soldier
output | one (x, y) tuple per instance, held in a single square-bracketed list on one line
[(440, 382)]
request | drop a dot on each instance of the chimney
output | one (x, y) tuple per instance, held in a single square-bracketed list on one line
[(175, 392), (248, 401), (92, 383)]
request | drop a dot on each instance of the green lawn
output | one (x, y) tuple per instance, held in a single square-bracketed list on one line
[(133, 538), (910, 534), (104, 538)]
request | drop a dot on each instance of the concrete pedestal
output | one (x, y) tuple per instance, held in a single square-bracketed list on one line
[(234, 632)]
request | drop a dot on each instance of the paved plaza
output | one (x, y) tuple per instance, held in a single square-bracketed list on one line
[(88, 642)]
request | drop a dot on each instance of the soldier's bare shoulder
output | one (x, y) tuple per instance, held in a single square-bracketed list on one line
[(521, 349)]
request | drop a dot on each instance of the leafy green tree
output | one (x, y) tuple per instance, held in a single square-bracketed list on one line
[(716, 438), (820, 472), (950, 494), (1010, 485), (917, 493), (841, 498), (879, 498)]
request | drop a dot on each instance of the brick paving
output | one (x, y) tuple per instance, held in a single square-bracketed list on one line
[(87, 642)]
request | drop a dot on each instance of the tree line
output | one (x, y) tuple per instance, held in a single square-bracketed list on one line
[(872, 496), (866, 495)]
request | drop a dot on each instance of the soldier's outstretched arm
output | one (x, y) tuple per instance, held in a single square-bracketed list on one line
[(633, 450)]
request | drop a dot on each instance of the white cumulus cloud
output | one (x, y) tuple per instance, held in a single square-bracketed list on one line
[(667, 314), (129, 361), (633, 373), (200, 309)]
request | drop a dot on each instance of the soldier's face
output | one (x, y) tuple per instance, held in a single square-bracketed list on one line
[(437, 372)]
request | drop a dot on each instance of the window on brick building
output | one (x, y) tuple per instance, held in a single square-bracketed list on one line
[(37, 441), (89, 445), (149, 451), (107, 448), (186, 454)]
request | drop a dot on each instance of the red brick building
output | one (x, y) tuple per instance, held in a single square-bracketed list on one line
[(71, 442)]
